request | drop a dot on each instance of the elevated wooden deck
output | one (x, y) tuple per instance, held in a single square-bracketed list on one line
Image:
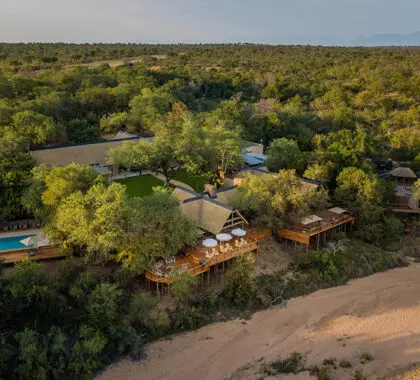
[(43, 253), (196, 262), (303, 235)]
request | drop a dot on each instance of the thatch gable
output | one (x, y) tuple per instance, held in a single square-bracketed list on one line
[(227, 196), (209, 215)]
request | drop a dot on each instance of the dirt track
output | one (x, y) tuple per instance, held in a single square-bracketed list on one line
[(379, 315)]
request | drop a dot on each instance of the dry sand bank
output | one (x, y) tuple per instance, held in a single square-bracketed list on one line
[(379, 314)]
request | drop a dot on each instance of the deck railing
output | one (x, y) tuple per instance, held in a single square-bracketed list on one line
[(196, 268)]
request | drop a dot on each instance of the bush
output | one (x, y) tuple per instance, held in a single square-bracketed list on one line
[(68, 271), (189, 318), (183, 287), (239, 286), (293, 364), (141, 305)]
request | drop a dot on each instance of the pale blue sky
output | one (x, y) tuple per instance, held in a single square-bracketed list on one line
[(265, 21)]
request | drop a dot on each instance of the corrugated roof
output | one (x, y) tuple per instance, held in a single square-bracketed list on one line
[(250, 160)]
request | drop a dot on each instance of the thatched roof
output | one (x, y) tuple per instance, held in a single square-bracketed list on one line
[(226, 196), (84, 154), (209, 215), (182, 194), (403, 173)]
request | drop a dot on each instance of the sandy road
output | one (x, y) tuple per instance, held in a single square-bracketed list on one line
[(379, 314)]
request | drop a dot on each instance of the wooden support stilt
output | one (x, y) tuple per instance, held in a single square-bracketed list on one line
[(317, 243)]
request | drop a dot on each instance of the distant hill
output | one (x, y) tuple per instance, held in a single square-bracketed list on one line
[(411, 39)]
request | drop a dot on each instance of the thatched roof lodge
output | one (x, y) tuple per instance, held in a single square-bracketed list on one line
[(211, 215)]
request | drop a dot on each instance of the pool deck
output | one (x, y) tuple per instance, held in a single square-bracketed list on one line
[(14, 255), (31, 231)]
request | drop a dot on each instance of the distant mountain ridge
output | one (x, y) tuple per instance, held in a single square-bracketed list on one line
[(411, 39)]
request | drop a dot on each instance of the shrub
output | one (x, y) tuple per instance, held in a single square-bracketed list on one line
[(344, 363), (293, 364), (239, 287), (183, 287), (141, 305)]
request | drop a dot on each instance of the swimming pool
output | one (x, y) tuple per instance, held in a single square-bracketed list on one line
[(9, 243)]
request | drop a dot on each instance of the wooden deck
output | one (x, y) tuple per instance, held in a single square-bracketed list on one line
[(43, 253), (196, 262), (303, 235)]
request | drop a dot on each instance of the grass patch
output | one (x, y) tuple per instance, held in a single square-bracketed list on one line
[(196, 181), (140, 186)]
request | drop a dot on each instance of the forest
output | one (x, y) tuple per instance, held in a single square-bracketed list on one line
[(327, 114)]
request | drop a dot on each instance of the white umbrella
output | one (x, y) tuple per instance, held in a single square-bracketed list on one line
[(210, 243), (224, 237), (238, 232), (28, 241)]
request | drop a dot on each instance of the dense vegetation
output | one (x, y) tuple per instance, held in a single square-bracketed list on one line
[(339, 105), (325, 114)]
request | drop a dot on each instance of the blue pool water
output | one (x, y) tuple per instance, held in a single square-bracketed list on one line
[(12, 242)]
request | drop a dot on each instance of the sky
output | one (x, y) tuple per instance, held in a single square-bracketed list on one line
[(326, 22)]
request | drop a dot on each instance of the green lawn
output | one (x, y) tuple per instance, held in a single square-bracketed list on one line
[(141, 185), (197, 182)]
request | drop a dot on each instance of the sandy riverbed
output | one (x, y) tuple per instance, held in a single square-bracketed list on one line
[(379, 315)]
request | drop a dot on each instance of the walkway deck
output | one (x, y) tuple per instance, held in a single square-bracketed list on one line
[(43, 253), (303, 235), (196, 262)]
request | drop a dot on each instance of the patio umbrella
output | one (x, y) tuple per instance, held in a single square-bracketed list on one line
[(29, 241), (224, 237), (238, 232), (210, 243)]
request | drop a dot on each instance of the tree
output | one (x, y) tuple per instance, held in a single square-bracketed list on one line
[(239, 287), (32, 361), (364, 194), (319, 172), (103, 306), (183, 286), (15, 167), (284, 154), (147, 108), (222, 150), (417, 189), (87, 351), (278, 199), (36, 128), (158, 230), (97, 220)]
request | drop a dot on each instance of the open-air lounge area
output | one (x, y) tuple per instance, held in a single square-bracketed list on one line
[(212, 251), (324, 223)]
